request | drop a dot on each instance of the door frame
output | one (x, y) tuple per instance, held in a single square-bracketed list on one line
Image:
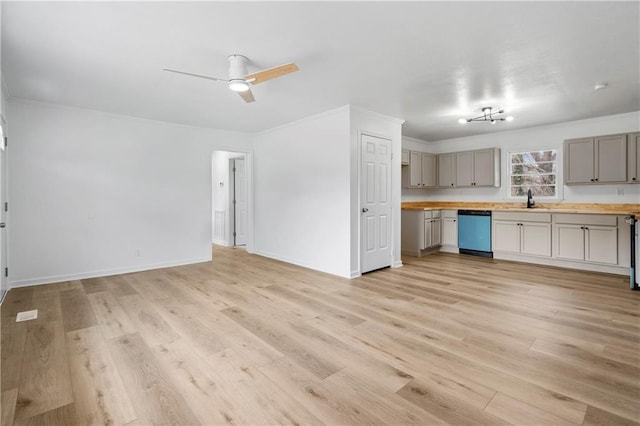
[(360, 134), (232, 195), (4, 196), (248, 158)]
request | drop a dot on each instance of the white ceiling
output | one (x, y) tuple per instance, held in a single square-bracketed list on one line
[(429, 63)]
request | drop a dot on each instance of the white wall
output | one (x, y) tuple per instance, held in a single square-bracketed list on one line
[(367, 122), (87, 189), (221, 195), (302, 192), (544, 137)]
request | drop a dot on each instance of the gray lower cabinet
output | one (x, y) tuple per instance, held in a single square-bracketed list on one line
[(522, 233), (421, 230), (590, 238)]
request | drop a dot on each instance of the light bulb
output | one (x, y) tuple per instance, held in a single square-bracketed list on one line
[(509, 118), (493, 121), (462, 121), (238, 85)]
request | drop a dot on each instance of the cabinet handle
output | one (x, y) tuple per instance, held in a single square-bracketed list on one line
[(586, 227), (451, 184), (596, 179), (633, 178), (592, 180)]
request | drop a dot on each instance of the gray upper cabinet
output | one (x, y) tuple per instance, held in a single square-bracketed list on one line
[(633, 151), (421, 172), (611, 158), (486, 167), (578, 155), (601, 159), (464, 169), (478, 168), (446, 170), (428, 170), (415, 169), (404, 159)]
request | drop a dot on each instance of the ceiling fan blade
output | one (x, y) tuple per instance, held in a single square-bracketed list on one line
[(194, 75), (271, 73), (247, 95)]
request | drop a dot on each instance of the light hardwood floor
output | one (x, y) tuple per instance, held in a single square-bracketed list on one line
[(446, 339)]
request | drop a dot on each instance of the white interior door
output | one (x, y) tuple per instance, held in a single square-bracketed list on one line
[(240, 204), (3, 214), (375, 204)]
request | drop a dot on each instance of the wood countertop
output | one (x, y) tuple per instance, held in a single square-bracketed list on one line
[(589, 208)]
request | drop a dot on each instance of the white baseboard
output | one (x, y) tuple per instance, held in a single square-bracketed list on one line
[(355, 274), (104, 272), (449, 249), (298, 263), (585, 266), (221, 243), (397, 264)]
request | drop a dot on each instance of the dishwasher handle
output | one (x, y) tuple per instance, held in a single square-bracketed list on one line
[(474, 212)]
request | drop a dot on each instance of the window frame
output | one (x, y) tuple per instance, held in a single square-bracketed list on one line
[(558, 174)]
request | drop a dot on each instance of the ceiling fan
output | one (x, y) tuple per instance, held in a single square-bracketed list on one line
[(239, 80)]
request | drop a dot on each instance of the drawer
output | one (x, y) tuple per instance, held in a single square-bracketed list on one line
[(428, 214), (522, 217), (586, 219), (450, 214)]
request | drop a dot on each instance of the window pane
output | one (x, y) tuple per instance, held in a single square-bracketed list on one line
[(533, 180), (535, 170), (537, 191), (527, 169)]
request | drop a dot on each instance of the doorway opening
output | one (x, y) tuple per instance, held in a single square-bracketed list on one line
[(229, 199)]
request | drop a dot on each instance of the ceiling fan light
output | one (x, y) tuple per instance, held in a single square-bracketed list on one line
[(238, 85), (509, 118), (463, 121)]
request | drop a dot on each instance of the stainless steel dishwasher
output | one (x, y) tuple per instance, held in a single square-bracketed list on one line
[(474, 232)]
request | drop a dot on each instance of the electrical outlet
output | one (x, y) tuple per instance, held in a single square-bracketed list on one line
[(620, 190)]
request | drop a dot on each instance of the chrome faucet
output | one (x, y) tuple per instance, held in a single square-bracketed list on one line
[(530, 203)]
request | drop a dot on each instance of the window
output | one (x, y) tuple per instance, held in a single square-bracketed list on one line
[(534, 170)]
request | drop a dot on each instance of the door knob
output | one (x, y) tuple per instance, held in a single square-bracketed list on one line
[(3, 225), (364, 210)]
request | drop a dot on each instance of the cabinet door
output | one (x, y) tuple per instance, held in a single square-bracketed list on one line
[(436, 232), (611, 158), (633, 155), (601, 244), (427, 234), (506, 236), (464, 169), (569, 241), (415, 169), (405, 157), (446, 169), (535, 239), (450, 231), (579, 161), (483, 167), (428, 170)]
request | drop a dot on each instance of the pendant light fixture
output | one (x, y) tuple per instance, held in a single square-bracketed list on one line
[(487, 115)]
